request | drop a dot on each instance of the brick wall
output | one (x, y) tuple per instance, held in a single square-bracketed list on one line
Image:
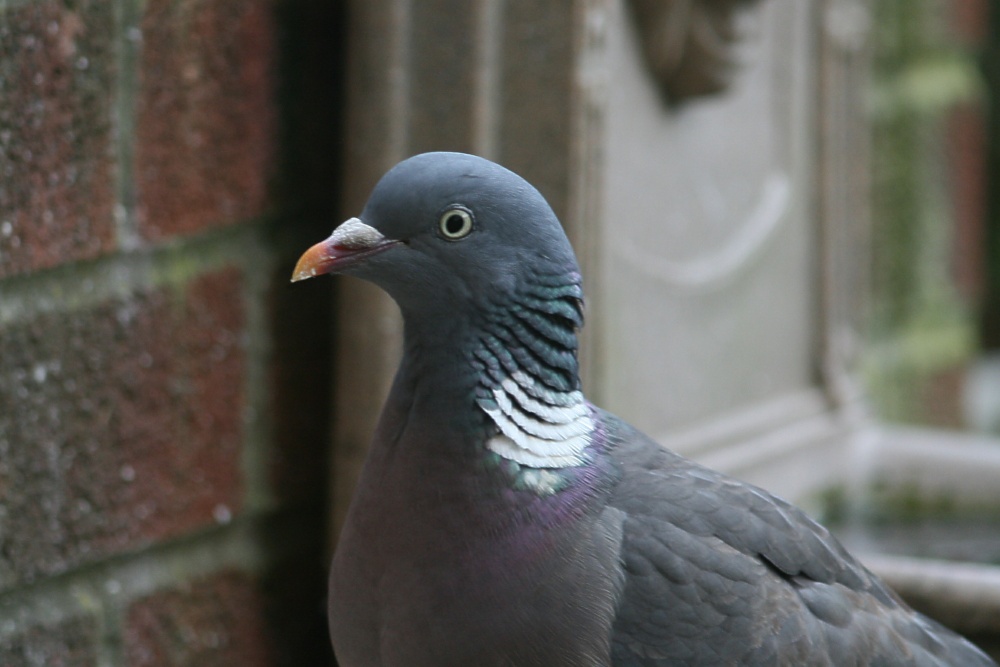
[(163, 391)]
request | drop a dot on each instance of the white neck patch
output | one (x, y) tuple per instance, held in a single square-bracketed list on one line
[(539, 427)]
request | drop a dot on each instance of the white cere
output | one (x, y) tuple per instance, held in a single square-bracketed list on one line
[(355, 235)]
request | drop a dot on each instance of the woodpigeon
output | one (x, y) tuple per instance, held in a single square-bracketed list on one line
[(501, 519)]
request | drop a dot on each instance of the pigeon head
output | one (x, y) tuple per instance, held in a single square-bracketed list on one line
[(490, 291), (448, 231)]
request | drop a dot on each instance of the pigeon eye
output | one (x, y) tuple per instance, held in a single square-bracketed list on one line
[(455, 224)]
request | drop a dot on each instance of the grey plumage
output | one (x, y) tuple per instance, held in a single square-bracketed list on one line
[(501, 519)]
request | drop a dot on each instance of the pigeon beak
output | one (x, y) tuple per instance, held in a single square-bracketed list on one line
[(350, 243)]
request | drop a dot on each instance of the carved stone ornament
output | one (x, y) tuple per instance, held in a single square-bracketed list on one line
[(688, 44)]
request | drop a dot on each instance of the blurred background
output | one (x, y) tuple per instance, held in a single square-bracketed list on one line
[(787, 213), (932, 324)]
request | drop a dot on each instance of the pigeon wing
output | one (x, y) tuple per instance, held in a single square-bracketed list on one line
[(720, 572)]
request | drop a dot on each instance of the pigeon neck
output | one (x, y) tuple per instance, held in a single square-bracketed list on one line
[(528, 377)]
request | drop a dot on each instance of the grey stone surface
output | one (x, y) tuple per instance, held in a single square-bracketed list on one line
[(708, 279)]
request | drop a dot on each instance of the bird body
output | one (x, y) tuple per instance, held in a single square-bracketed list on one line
[(466, 534), (502, 519)]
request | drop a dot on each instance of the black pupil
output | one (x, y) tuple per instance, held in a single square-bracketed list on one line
[(454, 223)]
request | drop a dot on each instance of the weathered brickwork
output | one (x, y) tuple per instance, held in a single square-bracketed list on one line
[(205, 138), (57, 65), (217, 621), (68, 643), (163, 401)]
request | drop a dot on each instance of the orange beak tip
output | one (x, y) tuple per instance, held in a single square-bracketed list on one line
[(302, 275), (310, 263)]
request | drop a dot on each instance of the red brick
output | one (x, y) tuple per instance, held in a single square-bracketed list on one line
[(966, 142), (206, 121), (121, 425), (70, 643), (939, 399), (218, 620), (56, 186), (970, 20)]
